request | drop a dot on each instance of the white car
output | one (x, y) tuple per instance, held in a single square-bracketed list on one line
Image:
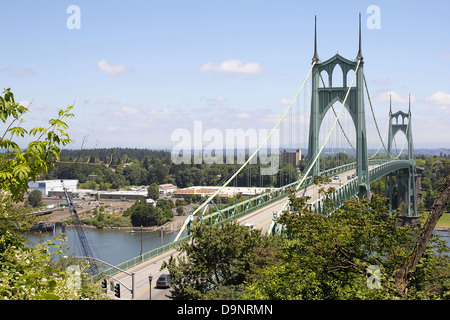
[(336, 178)]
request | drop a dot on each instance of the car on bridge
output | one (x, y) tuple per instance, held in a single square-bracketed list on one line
[(336, 178), (163, 281)]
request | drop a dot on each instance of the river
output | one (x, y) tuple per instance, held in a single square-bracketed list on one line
[(111, 245)]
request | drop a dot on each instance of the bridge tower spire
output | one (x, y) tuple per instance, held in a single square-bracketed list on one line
[(316, 56), (324, 97)]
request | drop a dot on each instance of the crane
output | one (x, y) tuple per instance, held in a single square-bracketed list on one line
[(80, 231)]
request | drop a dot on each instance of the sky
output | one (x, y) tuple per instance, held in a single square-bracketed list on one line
[(136, 71)]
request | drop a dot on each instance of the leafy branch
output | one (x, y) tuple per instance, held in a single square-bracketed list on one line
[(18, 166)]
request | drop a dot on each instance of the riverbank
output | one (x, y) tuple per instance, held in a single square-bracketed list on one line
[(174, 225), (443, 224)]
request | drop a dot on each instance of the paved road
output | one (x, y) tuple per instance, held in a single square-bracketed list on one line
[(259, 219)]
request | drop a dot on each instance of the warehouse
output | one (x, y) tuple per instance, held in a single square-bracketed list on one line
[(49, 186)]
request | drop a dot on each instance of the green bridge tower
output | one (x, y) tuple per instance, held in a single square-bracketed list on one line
[(407, 180), (323, 97)]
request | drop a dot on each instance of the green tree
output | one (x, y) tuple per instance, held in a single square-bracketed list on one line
[(32, 272), (153, 191), (217, 262), (40, 272), (18, 166), (143, 214), (328, 257), (135, 174), (166, 209), (35, 198)]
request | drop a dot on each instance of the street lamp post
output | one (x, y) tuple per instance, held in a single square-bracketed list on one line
[(162, 236), (141, 242), (150, 277)]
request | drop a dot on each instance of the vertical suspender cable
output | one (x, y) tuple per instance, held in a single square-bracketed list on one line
[(250, 158), (328, 136)]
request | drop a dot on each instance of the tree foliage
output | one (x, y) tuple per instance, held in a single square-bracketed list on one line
[(35, 198), (18, 166), (217, 262), (153, 191), (329, 257), (146, 215), (40, 273), (32, 271), (350, 254)]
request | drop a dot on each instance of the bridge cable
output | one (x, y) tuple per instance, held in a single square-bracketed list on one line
[(404, 142), (373, 114), (251, 157), (329, 134), (340, 126)]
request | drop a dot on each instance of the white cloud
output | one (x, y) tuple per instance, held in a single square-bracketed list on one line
[(243, 115), (108, 101), (216, 102), (396, 97), (232, 65), (161, 112), (17, 72), (285, 102), (23, 72), (125, 110), (115, 69), (439, 97), (381, 82), (444, 109), (270, 117), (129, 110), (31, 105)]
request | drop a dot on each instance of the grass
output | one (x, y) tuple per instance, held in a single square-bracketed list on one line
[(444, 220)]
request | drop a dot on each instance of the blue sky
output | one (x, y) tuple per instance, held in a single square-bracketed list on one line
[(138, 70)]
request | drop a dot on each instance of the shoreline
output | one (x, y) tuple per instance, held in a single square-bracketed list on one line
[(174, 225)]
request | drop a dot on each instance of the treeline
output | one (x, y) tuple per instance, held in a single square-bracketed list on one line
[(144, 167), (437, 169), (119, 168), (112, 156)]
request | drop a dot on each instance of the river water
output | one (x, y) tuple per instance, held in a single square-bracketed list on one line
[(116, 246), (111, 245)]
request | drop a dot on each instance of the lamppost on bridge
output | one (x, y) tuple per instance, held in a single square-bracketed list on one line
[(162, 236), (141, 242), (150, 277)]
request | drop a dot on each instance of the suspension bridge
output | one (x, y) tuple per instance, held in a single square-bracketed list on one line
[(336, 107)]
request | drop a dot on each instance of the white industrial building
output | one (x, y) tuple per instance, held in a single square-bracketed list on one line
[(46, 186), (167, 188)]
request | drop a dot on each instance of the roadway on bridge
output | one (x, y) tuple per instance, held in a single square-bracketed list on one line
[(260, 219)]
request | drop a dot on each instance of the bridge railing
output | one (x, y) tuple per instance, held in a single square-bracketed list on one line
[(351, 188), (257, 202), (146, 256)]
